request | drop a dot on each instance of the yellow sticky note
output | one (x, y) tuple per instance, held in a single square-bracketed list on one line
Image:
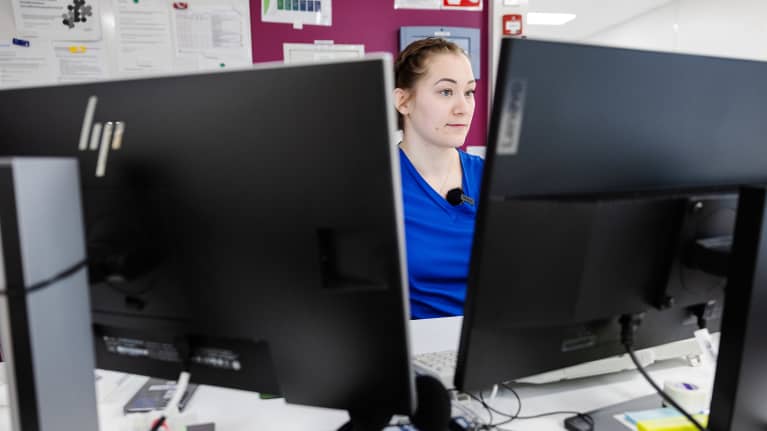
[(679, 423), (76, 49)]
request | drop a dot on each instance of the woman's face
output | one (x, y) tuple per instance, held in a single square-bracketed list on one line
[(439, 108)]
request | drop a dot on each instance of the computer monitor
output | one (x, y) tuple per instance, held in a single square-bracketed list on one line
[(610, 175), (245, 224)]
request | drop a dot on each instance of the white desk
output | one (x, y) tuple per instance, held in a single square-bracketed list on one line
[(593, 393), (230, 409), (579, 395), (234, 410)]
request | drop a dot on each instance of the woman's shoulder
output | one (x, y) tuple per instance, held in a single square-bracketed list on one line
[(471, 162)]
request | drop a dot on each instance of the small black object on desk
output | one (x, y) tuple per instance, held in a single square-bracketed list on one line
[(579, 423)]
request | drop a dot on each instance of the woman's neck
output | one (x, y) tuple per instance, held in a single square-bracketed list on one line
[(429, 159), (439, 166)]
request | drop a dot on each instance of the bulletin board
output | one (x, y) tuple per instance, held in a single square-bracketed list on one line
[(105, 52), (376, 24), (64, 41)]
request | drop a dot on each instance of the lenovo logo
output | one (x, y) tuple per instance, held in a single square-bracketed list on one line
[(98, 137)]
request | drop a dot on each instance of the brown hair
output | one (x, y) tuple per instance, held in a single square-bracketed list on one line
[(411, 62)]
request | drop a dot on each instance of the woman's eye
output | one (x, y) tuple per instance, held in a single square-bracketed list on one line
[(446, 92), (470, 93)]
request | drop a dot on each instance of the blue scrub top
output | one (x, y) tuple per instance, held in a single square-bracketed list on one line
[(438, 238)]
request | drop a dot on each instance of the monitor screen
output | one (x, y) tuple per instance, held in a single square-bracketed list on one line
[(604, 188), (622, 120), (244, 224)]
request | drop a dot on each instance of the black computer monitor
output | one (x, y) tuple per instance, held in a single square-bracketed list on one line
[(245, 224), (610, 176)]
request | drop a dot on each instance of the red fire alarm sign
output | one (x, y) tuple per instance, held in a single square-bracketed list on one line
[(512, 25), (447, 4)]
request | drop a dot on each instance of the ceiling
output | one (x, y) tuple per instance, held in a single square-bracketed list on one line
[(592, 16)]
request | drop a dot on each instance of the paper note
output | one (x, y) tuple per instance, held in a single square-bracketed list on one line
[(143, 37), (298, 12), (313, 52), (23, 66), (212, 34), (58, 19), (80, 62)]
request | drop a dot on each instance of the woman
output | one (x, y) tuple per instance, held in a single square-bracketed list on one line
[(440, 183)]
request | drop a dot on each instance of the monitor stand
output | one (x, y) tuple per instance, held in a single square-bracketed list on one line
[(740, 385), (360, 420), (432, 412)]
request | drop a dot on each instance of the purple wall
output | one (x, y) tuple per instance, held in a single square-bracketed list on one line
[(376, 24)]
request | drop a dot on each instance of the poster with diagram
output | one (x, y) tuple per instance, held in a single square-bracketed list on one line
[(298, 12), (58, 19), (211, 34)]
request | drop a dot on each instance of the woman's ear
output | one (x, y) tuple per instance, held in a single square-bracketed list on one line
[(402, 101)]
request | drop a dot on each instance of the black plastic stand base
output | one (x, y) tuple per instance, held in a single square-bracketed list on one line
[(366, 420), (432, 414), (604, 418)]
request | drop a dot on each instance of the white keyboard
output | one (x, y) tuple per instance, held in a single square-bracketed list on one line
[(438, 364), (442, 364)]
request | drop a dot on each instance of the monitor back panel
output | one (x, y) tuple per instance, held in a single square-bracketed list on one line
[(258, 205)]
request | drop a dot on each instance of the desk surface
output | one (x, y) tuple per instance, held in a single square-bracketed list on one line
[(234, 410), (576, 395)]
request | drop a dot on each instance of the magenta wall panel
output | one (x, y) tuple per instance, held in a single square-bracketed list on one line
[(375, 24)]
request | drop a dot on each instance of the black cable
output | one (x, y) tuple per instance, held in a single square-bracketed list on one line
[(665, 396), (506, 386), (516, 416), (45, 283), (158, 423), (629, 324), (559, 412), (491, 408), (487, 408), (586, 416), (492, 425), (184, 349)]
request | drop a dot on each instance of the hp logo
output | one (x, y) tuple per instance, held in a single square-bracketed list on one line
[(98, 137)]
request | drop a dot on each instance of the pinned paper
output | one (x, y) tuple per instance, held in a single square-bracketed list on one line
[(58, 19), (475, 5), (143, 37), (320, 50), (211, 36), (21, 66), (82, 62), (298, 13), (417, 4)]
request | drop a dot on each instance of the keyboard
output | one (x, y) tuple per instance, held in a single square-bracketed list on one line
[(442, 364), (438, 364)]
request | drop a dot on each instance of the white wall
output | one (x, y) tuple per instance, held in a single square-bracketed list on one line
[(651, 30), (732, 28)]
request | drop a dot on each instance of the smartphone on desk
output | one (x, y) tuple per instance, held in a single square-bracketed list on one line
[(155, 395)]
